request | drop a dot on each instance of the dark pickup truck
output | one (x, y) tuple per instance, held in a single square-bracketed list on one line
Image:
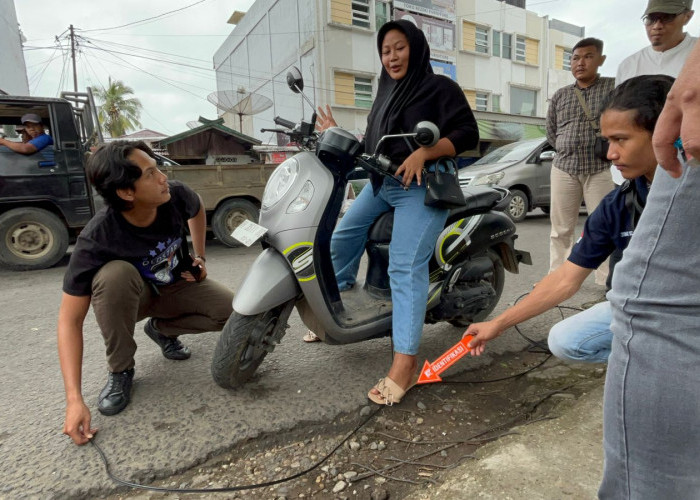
[(45, 199)]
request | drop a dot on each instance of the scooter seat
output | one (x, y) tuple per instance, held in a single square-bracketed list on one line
[(380, 231), (479, 199)]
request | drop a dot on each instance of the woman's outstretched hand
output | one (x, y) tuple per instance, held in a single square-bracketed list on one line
[(324, 119)]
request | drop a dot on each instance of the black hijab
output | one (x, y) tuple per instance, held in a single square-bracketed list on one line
[(400, 97)]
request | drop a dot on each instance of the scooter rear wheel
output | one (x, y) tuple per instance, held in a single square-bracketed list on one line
[(497, 280), (244, 343)]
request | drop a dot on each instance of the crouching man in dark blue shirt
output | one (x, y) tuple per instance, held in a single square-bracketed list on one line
[(627, 121)]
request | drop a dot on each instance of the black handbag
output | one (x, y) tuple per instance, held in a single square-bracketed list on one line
[(600, 147), (601, 144), (442, 185)]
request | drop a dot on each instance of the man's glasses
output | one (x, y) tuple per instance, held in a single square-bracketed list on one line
[(651, 19)]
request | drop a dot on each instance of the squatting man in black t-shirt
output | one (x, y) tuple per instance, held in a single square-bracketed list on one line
[(131, 262)]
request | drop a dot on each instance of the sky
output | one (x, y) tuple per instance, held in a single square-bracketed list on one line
[(168, 60)]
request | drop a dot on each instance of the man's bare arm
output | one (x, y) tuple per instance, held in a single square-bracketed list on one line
[(71, 316), (19, 147), (680, 117), (554, 288)]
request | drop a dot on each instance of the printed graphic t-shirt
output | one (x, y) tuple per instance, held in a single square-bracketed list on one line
[(157, 251)]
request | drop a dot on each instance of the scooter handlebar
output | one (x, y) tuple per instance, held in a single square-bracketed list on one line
[(284, 123)]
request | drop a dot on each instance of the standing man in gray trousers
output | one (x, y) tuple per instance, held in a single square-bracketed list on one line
[(652, 391)]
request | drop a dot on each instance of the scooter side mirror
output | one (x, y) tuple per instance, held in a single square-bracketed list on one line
[(294, 80), (427, 134)]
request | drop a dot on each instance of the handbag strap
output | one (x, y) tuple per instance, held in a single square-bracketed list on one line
[(593, 123), (449, 164)]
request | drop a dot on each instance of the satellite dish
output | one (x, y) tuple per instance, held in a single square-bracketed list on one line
[(240, 102), (193, 124)]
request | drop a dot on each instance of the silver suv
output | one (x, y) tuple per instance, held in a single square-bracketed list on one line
[(523, 167)]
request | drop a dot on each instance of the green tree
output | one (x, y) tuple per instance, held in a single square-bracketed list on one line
[(118, 113)]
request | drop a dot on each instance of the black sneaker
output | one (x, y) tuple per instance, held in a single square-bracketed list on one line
[(172, 348), (117, 393)]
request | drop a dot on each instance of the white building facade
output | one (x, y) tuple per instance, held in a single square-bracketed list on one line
[(506, 59), (13, 70)]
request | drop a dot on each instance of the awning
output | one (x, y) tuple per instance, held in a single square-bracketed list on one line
[(490, 130)]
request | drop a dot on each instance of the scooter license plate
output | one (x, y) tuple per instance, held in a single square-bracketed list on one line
[(248, 232)]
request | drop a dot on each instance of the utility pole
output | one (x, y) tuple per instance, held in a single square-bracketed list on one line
[(72, 55)]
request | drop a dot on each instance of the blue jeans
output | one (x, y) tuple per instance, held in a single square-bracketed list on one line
[(416, 229), (584, 337)]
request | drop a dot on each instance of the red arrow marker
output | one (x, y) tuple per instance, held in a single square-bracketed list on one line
[(431, 371)]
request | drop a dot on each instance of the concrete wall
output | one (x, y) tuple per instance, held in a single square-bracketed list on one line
[(13, 70)]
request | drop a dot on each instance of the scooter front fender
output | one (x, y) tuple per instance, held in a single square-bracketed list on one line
[(268, 283)]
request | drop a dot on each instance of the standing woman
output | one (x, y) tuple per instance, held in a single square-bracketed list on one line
[(408, 93)]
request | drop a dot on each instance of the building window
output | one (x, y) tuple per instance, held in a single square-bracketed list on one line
[(566, 60), (381, 13), (482, 101), (520, 48), (527, 50), (507, 46), (502, 44), (360, 13), (363, 92), (475, 38), (351, 12), (523, 101), (496, 103), (351, 90), (482, 40)]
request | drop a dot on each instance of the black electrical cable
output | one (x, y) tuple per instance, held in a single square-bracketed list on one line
[(294, 476), (517, 375), (540, 346), (352, 433), (231, 488)]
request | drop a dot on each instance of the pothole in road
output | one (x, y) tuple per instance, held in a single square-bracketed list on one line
[(400, 449)]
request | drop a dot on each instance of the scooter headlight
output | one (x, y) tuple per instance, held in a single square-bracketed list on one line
[(302, 201), (488, 179), (279, 183)]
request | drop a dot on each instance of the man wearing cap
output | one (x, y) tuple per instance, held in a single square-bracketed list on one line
[(664, 21), (23, 134), (38, 139)]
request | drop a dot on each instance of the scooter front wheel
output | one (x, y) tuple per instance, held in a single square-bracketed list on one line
[(244, 343)]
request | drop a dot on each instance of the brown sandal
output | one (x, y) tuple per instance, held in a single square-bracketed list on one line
[(390, 392)]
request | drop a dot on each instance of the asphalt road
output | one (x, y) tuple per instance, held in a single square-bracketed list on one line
[(178, 417)]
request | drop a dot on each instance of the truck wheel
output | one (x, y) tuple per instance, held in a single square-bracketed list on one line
[(229, 216), (31, 238), (497, 280), (244, 343)]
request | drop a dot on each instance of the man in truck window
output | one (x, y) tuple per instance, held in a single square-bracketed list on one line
[(38, 138), (132, 262)]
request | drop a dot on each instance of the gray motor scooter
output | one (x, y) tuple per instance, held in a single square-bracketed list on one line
[(300, 208)]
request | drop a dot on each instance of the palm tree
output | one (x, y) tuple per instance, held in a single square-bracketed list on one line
[(118, 113)]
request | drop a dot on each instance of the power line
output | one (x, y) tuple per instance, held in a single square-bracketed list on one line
[(155, 76), (268, 78), (145, 49), (148, 18)]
